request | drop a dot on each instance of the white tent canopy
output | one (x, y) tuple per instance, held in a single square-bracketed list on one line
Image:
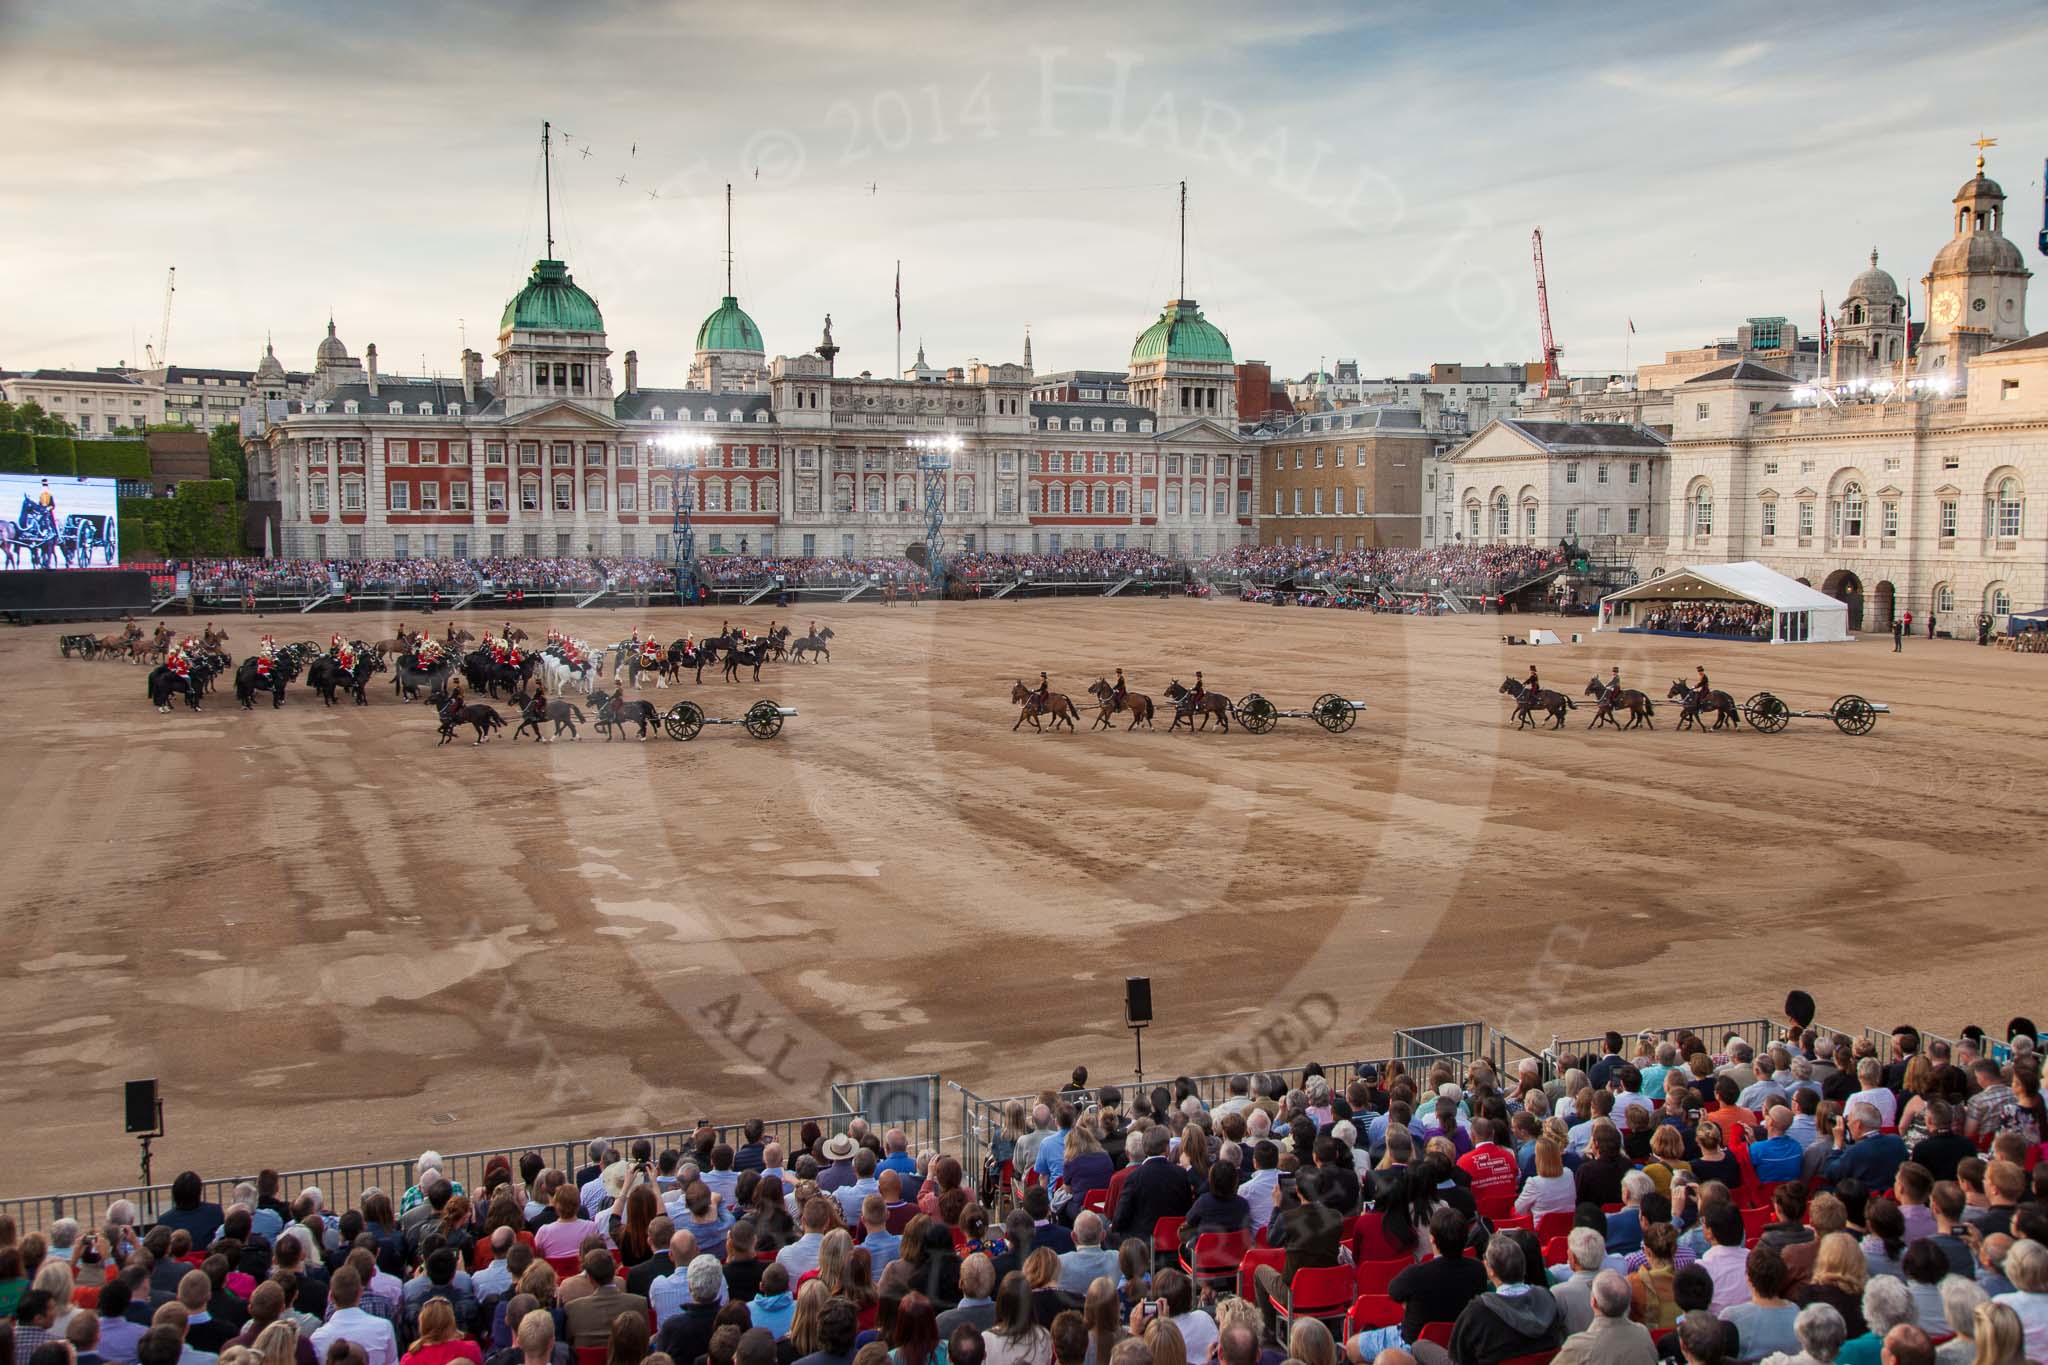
[(1800, 614)]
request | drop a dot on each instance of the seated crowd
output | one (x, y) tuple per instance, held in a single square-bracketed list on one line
[(1814, 1203), (1477, 569), (1744, 619)]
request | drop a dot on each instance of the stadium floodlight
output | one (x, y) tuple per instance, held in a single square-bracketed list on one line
[(683, 450)]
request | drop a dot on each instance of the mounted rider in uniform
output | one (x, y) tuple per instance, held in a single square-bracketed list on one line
[(1118, 692), (1532, 684), (1044, 691), (266, 656)]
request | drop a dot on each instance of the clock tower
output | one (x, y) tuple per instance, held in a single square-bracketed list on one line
[(1977, 287)]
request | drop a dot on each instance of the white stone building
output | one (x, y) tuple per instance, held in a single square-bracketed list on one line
[(548, 457)]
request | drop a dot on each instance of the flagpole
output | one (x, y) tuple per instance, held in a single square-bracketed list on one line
[(899, 320)]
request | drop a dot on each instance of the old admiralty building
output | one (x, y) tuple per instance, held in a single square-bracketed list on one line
[(550, 454)]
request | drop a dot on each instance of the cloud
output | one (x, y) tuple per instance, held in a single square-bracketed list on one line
[(1363, 178)]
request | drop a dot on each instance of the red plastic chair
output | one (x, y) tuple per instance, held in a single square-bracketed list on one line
[(1438, 1332), (1371, 1310), (1214, 1258), (1753, 1221), (1375, 1276), (1610, 1209), (1248, 1269), (592, 1355), (565, 1266), (1495, 1207), (1369, 1240), (1554, 1224), (1557, 1251), (1515, 1220), (1166, 1235), (1318, 1291), (1096, 1201), (1533, 1358)]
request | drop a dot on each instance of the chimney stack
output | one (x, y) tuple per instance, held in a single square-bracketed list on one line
[(370, 366), (472, 374), (632, 372)]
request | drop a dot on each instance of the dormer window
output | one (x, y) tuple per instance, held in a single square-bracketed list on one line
[(426, 409), (1118, 425), (323, 405), (350, 407), (660, 415), (1144, 424), (736, 416), (761, 415), (397, 408), (711, 414), (455, 409)]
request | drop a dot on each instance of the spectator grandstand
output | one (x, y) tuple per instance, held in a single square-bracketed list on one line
[(1728, 1192)]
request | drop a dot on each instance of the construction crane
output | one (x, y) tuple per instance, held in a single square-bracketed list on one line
[(1551, 350), (160, 351)]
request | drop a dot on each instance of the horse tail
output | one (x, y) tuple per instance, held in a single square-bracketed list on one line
[(578, 712)]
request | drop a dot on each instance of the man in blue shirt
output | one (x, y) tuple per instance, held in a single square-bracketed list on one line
[(1778, 1156), (1051, 1161), (883, 1246), (897, 1144)]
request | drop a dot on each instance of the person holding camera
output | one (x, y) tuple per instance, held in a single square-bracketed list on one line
[(1311, 1232)]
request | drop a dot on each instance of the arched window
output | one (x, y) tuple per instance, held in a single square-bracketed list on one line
[(1500, 516), (1998, 600), (877, 494), (660, 414), (1472, 520), (2005, 509), (1856, 315), (1895, 348), (906, 494), (1944, 597), (1849, 512), (963, 495), (1703, 510), (842, 493)]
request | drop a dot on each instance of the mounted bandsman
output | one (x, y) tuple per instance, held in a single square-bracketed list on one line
[(266, 656)]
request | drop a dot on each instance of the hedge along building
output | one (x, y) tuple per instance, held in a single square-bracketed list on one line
[(548, 456)]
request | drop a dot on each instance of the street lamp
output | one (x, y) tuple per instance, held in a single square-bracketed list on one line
[(682, 452)]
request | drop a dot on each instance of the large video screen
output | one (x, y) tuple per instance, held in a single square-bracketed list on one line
[(58, 523)]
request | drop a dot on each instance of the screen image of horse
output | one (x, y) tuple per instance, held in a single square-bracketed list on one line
[(58, 523)]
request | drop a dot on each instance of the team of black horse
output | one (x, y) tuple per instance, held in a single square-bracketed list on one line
[(1696, 705)]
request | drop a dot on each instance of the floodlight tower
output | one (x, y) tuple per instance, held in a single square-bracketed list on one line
[(935, 460), (682, 452)]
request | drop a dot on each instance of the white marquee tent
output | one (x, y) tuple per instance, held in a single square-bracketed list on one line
[(1799, 614)]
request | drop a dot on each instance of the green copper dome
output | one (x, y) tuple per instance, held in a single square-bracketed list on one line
[(551, 302), (729, 329), (1182, 333)]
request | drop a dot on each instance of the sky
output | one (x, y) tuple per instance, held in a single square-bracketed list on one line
[(1362, 178)]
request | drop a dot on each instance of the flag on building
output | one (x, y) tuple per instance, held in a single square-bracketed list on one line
[(1631, 326)]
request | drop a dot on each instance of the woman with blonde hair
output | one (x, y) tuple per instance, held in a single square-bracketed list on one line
[(803, 1323), (1168, 1346), (1667, 1151), (857, 1286), (1102, 1314), (1311, 1343), (2001, 1338), (1839, 1274), (1551, 1189), (278, 1344), (832, 1254), (440, 1340), (56, 1280)]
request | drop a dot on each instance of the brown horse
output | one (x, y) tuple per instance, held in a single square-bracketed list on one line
[(1137, 703), (1640, 707), (1529, 700), (1057, 707), (1186, 708)]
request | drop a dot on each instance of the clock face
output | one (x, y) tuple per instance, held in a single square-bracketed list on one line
[(1946, 308)]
